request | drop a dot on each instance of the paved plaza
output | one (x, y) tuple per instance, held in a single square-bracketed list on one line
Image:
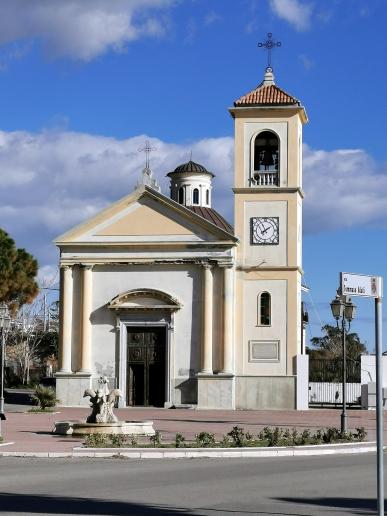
[(31, 432)]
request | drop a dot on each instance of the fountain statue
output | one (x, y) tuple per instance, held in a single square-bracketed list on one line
[(102, 401), (102, 419)]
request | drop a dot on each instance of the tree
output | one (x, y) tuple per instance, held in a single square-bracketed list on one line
[(330, 344), (18, 270)]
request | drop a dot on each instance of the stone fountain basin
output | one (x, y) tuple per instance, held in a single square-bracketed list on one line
[(121, 427)]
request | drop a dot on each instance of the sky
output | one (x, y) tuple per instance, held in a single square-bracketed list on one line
[(83, 84)]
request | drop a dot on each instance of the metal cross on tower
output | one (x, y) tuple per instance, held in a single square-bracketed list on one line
[(269, 44), (147, 149)]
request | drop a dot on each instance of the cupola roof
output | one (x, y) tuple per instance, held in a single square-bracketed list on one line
[(190, 168), (267, 93)]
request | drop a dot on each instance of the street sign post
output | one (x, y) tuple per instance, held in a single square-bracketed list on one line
[(372, 286)]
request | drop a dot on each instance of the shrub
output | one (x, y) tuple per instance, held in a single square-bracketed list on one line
[(295, 436), (238, 436), (44, 397), (132, 440), (156, 439), (117, 440), (226, 441), (331, 435), (97, 440), (361, 434), (205, 440), (273, 436), (179, 440), (305, 436)]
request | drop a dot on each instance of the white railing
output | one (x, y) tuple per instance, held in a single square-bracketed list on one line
[(324, 392), (265, 179)]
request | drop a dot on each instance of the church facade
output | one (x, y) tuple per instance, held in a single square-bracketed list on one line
[(174, 305)]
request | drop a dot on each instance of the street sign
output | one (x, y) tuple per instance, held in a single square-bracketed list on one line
[(360, 285), (372, 286)]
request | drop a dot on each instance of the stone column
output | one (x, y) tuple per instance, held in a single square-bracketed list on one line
[(86, 272), (207, 320), (66, 302), (228, 319)]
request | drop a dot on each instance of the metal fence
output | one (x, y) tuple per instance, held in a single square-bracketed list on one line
[(330, 370), (331, 393)]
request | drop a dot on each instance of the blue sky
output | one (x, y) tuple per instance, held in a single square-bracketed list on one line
[(84, 82)]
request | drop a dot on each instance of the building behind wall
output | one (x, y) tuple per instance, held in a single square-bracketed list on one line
[(173, 305)]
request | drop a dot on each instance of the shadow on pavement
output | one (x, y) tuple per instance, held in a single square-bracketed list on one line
[(18, 396), (44, 504), (361, 505)]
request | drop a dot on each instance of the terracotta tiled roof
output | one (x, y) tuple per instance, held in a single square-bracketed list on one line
[(267, 95), (213, 216)]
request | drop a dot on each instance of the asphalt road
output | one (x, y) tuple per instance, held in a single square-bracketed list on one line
[(332, 485)]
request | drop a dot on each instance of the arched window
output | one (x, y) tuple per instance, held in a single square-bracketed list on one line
[(266, 152), (207, 197), (264, 309), (195, 199), (181, 195)]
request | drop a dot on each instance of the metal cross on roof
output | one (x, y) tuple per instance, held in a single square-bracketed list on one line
[(147, 149), (269, 44)]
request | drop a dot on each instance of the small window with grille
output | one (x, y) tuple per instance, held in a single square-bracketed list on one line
[(264, 309)]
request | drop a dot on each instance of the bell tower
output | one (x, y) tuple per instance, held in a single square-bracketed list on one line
[(268, 223)]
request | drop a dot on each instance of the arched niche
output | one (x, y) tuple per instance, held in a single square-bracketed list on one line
[(144, 299)]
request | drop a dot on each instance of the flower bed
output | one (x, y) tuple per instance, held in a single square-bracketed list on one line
[(236, 438)]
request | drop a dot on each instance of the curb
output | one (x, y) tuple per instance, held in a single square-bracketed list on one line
[(174, 453)]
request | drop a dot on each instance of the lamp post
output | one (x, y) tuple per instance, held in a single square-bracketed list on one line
[(5, 323), (343, 308)]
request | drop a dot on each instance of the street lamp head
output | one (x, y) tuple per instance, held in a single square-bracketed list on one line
[(349, 310), (337, 308)]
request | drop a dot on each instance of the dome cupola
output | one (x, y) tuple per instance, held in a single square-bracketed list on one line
[(191, 185)]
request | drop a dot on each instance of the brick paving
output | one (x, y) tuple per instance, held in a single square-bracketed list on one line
[(32, 432)]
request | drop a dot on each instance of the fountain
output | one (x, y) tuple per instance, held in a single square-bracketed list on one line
[(102, 420)]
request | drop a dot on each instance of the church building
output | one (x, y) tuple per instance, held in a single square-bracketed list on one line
[(177, 307)]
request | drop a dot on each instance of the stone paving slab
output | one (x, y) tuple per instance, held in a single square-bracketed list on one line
[(31, 432)]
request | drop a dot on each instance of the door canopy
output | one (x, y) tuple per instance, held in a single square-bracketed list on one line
[(144, 299)]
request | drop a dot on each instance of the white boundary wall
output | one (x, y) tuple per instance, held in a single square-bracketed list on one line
[(324, 392)]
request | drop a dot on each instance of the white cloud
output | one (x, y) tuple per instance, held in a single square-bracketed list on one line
[(296, 13), (211, 18), (344, 189), (53, 180), (81, 29), (307, 63)]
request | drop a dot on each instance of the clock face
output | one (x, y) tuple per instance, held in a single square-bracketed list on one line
[(265, 230)]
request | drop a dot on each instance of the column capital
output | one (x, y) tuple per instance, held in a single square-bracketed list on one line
[(87, 266), (65, 266), (207, 265), (225, 265)]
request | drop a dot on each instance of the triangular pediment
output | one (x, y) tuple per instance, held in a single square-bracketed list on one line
[(145, 216)]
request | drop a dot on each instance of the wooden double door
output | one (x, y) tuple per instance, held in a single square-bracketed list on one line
[(146, 366)]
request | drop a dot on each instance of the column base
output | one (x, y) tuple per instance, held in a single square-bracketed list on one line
[(70, 389), (205, 372), (216, 391), (64, 372)]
